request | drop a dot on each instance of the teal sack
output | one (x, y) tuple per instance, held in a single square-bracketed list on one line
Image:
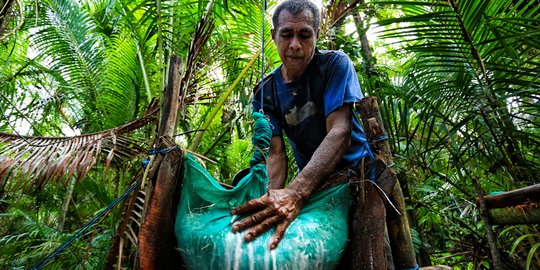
[(315, 240)]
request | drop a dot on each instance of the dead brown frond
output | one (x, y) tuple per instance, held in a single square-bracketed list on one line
[(202, 34), (335, 11), (30, 162)]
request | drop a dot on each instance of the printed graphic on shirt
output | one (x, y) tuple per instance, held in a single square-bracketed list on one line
[(297, 116)]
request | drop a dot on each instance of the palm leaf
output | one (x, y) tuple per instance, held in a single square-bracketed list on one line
[(474, 71), (31, 162), (66, 33)]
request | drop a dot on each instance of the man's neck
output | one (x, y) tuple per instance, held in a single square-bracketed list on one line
[(291, 75)]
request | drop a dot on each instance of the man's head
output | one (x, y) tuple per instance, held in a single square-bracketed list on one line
[(296, 30), (295, 7)]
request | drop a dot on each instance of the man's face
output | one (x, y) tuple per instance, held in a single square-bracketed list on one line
[(295, 38)]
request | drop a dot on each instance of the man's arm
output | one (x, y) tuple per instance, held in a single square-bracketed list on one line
[(328, 154), (280, 207), (277, 163)]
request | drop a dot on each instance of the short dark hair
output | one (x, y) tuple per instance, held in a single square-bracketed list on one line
[(295, 7)]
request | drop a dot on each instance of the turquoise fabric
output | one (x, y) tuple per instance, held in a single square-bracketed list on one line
[(315, 240)]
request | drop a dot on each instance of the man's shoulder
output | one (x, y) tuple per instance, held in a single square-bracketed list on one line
[(333, 60), (330, 54)]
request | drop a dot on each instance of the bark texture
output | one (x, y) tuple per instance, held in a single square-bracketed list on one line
[(156, 236), (397, 222)]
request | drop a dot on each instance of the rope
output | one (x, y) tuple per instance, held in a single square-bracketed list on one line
[(414, 268), (155, 151), (54, 255), (372, 170), (382, 137), (383, 193), (262, 56)]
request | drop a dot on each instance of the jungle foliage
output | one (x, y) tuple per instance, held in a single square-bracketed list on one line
[(81, 81)]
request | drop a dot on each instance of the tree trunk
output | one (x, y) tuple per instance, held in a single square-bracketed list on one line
[(423, 254), (65, 205), (367, 228), (156, 236), (5, 9), (400, 232), (398, 224)]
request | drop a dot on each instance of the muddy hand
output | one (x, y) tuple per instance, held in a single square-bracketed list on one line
[(278, 207)]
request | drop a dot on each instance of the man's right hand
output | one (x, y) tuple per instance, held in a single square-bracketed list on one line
[(278, 207)]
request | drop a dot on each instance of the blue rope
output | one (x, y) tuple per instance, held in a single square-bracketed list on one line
[(414, 268), (262, 56), (145, 163), (155, 151), (372, 170), (53, 256), (380, 138)]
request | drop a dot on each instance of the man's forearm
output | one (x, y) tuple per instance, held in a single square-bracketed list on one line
[(328, 154), (322, 163), (277, 171)]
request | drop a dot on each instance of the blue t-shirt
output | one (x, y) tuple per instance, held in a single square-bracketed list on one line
[(300, 108)]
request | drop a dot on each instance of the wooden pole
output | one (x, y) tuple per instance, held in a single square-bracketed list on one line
[(514, 197), (366, 228), (398, 224), (527, 213), (156, 236)]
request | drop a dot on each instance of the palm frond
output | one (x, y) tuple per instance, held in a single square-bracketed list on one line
[(66, 33), (119, 96), (30, 162), (471, 71), (335, 11)]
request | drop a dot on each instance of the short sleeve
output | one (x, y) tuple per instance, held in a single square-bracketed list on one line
[(342, 83), (270, 109)]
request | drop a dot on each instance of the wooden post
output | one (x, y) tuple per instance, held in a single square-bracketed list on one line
[(156, 236), (400, 232), (398, 224), (513, 198), (520, 206), (366, 228), (526, 213)]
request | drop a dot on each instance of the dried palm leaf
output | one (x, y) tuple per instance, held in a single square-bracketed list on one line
[(335, 11), (30, 161)]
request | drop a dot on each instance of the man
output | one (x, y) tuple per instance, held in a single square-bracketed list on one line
[(310, 97)]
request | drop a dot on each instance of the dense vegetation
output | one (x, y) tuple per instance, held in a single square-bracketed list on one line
[(457, 81)]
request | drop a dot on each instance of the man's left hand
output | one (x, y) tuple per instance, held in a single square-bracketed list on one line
[(278, 207)]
